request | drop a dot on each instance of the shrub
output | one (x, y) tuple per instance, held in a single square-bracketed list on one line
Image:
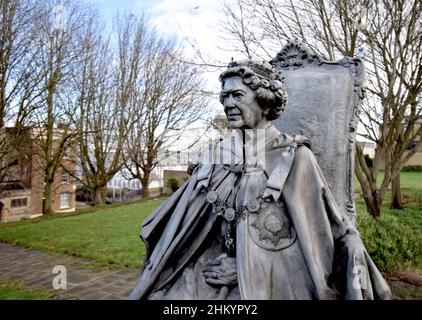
[(173, 184), (412, 168), (83, 194), (393, 241)]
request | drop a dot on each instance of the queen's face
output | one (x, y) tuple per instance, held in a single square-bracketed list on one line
[(240, 105)]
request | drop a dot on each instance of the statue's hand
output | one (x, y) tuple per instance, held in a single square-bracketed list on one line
[(221, 271)]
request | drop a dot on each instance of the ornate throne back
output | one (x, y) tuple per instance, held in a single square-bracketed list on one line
[(324, 101)]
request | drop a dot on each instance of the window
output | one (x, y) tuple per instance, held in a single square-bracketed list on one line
[(18, 203), (65, 177), (27, 172), (64, 200)]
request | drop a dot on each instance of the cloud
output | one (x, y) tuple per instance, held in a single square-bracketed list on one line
[(195, 24)]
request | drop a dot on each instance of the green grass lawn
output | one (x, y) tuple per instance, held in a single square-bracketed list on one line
[(109, 234), (410, 180), (16, 292)]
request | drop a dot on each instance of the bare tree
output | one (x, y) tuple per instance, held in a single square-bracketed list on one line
[(105, 96), (390, 35), (58, 49), (19, 77), (329, 27), (169, 98), (394, 39), (220, 124)]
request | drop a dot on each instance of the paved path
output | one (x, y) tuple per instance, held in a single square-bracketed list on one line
[(35, 268), (32, 268)]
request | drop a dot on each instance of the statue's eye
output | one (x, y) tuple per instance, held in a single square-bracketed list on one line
[(238, 95)]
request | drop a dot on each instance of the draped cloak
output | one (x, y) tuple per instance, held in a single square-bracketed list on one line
[(321, 257)]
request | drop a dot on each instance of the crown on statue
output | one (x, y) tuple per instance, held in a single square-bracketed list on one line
[(263, 69)]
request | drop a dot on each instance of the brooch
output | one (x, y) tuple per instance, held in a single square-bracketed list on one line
[(270, 227)]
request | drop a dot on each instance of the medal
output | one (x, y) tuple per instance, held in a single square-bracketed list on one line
[(229, 214), (253, 205), (212, 196)]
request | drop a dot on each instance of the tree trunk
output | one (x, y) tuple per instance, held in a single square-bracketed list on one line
[(372, 205), (145, 185), (100, 195), (48, 148), (368, 183), (396, 193), (47, 197)]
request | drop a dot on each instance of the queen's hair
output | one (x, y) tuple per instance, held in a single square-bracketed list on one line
[(261, 77)]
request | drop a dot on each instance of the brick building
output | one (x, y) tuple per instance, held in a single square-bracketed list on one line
[(415, 146), (21, 191)]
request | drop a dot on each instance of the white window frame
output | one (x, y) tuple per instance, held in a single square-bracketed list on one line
[(65, 200), (67, 175)]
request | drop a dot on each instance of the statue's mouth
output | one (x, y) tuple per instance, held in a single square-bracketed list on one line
[(234, 116)]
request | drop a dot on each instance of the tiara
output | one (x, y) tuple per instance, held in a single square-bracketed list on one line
[(257, 68)]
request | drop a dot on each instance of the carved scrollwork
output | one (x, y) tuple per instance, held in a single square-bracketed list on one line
[(294, 55)]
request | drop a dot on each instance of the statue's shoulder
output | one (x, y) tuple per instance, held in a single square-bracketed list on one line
[(283, 140)]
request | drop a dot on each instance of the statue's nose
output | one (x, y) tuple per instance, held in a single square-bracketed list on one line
[(229, 102)]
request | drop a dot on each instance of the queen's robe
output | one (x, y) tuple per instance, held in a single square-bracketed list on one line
[(297, 245)]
